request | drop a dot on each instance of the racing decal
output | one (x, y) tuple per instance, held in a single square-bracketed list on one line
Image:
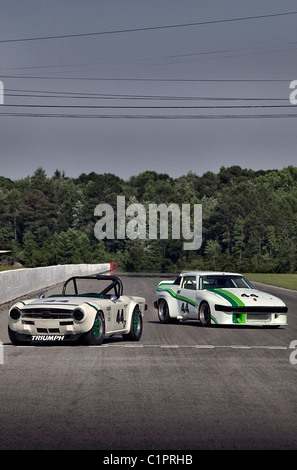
[(121, 318), (108, 312), (234, 301), (93, 306), (239, 318), (177, 296), (50, 302), (232, 298), (47, 338), (185, 308)]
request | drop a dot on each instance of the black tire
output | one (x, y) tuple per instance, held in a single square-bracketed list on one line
[(204, 314), (96, 334), (17, 338), (163, 311), (136, 326)]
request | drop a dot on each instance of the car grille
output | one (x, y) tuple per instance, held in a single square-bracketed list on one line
[(49, 313), (48, 330), (258, 317)]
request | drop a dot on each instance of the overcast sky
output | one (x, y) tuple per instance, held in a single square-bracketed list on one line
[(125, 86)]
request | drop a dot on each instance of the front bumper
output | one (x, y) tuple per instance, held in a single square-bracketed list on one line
[(252, 315), (40, 327)]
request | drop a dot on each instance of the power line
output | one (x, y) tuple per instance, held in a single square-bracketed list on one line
[(250, 106), (150, 28), (239, 52), (152, 117), (18, 93), (194, 80)]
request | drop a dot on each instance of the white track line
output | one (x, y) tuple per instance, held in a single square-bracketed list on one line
[(162, 346)]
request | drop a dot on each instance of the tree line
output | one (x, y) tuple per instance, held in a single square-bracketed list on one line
[(249, 220)]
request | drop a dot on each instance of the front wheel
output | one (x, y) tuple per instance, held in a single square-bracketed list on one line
[(96, 334), (204, 314), (17, 338), (136, 326)]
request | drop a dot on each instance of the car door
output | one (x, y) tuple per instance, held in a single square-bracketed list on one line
[(119, 316), (187, 297)]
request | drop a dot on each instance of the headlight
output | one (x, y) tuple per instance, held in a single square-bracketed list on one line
[(15, 313), (78, 314)]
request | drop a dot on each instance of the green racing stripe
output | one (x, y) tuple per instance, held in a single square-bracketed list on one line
[(175, 295), (232, 298), (229, 296), (181, 297), (234, 301), (92, 306)]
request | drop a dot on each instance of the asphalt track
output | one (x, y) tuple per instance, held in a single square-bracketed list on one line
[(181, 387)]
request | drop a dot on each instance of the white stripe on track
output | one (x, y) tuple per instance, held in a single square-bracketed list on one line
[(161, 346)]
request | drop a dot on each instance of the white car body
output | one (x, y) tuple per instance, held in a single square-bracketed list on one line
[(218, 298), (91, 316)]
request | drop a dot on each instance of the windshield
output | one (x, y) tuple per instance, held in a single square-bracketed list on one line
[(227, 281), (93, 286)]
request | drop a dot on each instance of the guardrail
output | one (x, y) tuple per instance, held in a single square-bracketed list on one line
[(19, 282)]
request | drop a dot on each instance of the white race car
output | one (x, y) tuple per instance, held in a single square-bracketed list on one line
[(76, 314), (218, 298)]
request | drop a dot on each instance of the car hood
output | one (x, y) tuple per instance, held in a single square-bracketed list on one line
[(56, 302), (246, 297)]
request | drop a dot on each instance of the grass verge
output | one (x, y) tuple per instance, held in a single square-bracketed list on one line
[(10, 268), (288, 281)]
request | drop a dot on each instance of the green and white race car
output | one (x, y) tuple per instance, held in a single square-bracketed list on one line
[(218, 298), (78, 313)]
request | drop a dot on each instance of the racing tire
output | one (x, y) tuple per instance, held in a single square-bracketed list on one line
[(204, 314), (16, 338), (96, 335), (136, 326), (163, 311)]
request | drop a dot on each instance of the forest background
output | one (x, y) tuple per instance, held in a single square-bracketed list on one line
[(249, 220)]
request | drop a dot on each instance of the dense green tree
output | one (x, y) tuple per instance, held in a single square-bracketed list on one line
[(70, 247), (249, 219)]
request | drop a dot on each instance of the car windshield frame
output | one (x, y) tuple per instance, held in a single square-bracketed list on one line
[(224, 281), (114, 287)]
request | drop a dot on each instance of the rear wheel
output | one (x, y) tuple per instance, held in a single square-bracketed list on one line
[(136, 326), (204, 314), (96, 334), (163, 311)]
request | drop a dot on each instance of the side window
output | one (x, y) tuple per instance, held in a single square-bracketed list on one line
[(190, 282), (177, 281)]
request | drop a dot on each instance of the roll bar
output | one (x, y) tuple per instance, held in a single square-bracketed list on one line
[(115, 284)]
